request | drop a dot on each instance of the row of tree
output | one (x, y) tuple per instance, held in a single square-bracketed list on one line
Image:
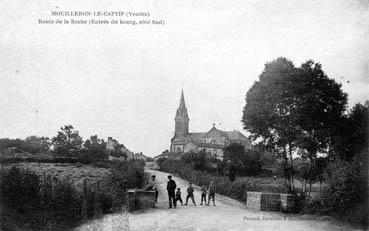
[(67, 142)]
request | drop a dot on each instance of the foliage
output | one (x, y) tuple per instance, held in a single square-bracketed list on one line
[(32, 144), (40, 144), (240, 161), (197, 160), (345, 196), (350, 141), (94, 149), (128, 174), (67, 142), (33, 203), (293, 108), (36, 204)]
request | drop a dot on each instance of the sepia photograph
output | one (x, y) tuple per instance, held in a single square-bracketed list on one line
[(211, 115)]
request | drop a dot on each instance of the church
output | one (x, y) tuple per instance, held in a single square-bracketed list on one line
[(211, 142)]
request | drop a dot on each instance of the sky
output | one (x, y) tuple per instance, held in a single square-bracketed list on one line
[(125, 81)]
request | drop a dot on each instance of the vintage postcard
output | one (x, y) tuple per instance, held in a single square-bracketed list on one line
[(184, 115)]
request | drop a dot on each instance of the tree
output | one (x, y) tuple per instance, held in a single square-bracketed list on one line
[(270, 108), (321, 104), (67, 142), (239, 161), (350, 141), (32, 144), (294, 108), (39, 144), (95, 148), (198, 160)]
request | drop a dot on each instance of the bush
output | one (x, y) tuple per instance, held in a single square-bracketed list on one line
[(345, 196), (31, 203), (128, 174), (19, 189)]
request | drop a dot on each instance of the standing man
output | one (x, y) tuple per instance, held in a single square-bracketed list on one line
[(151, 185), (211, 190), (171, 187)]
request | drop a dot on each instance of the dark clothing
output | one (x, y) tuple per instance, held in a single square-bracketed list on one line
[(212, 189), (203, 194), (172, 200), (203, 197), (178, 197), (190, 190), (211, 194), (178, 194), (171, 187), (190, 195), (156, 196)]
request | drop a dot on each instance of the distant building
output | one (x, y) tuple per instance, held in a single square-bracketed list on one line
[(211, 142)]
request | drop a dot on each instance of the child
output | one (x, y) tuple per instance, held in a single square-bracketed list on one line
[(190, 194), (178, 196), (203, 194), (211, 192)]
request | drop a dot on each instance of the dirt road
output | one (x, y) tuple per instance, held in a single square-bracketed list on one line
[(228, 214)]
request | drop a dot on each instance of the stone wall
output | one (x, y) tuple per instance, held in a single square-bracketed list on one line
[(264, 201), (271, 201), (140, 199), (288, 203)]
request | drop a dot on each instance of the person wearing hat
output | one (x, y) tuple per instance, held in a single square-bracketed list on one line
[(171, 188)]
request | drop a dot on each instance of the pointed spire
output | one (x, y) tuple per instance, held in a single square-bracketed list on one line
[(182, 102)]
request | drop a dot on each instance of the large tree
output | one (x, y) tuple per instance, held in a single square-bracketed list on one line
[(270, 108), (67, 142), (321, 106), (294, 109)]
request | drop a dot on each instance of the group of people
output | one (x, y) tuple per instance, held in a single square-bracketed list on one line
[(174, 193)]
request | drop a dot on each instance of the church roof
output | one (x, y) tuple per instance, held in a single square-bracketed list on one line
[(214, 132), (235, 135), (196, 135), (231, 135)]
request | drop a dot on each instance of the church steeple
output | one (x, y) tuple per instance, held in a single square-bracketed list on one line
[(181, 125), (182, 102)]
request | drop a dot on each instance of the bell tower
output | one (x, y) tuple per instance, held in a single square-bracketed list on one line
[(181, 120)]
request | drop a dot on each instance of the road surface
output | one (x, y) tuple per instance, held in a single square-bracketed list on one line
[(228, 214)]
